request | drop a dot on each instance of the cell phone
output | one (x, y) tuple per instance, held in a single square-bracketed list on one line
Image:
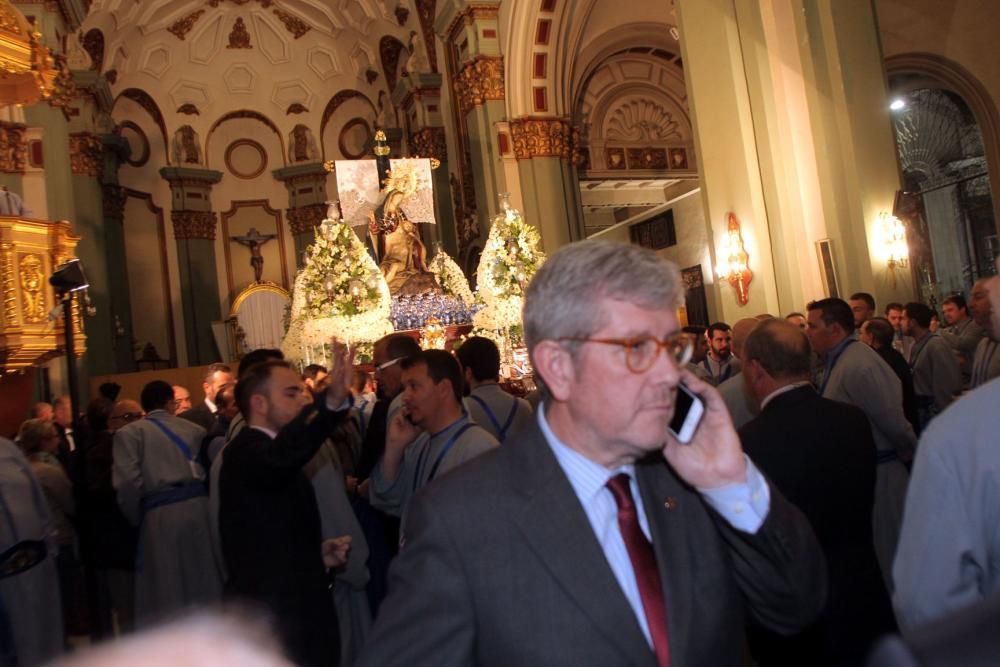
[(688, 411)]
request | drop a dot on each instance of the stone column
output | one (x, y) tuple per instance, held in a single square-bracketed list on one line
[(307, 197), (116, 151), (418, 95), (194, 230)]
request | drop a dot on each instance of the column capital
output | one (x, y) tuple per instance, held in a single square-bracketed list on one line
[(86, 154), (480, 81), (429, 142), (541, 137), (13, 148), (300, 171), (181, 176), (302, 219), (192, 225)]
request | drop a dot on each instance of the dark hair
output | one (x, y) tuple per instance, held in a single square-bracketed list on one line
[(155, 395), (780, 347), (98, 411), (312, 370), (212, 369), (834, 311), (359, 378), (894, 305), (441, 365), (255, 381), (400, 346), (881, 331), (481, 356), (717, 326), (920, 313), (866, 297), (958, 300), (226, 396), (258, 356), (694, 329)]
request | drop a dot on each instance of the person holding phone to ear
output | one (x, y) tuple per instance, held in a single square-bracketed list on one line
[(595, 537)]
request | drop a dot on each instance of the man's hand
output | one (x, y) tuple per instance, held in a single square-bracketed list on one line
[(401, 432), (335, 550), (714, 457), (337, 383)]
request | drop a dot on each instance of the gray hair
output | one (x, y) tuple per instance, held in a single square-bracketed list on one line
[(563, 299)]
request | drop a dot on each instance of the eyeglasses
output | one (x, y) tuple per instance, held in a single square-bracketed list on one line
[(382, 367), (640, 353)]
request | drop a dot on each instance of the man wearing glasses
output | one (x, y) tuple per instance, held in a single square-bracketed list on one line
[(595, 537)]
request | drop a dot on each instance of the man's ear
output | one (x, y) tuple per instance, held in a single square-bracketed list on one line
[(468, 376), (555, 365), (258, 403)]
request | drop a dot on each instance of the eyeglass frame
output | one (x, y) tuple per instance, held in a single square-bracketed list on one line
[(129, 416), (626, 343), (391, 362)]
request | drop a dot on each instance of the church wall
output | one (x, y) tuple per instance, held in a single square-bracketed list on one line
[(151, 289)]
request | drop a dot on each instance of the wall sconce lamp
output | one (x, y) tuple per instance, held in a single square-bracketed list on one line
[(897, 252), (734, 262)]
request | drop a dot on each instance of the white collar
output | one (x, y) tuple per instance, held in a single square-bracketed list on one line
[(781, 390)]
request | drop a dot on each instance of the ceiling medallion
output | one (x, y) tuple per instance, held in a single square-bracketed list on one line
[(239, 38), (181, 27), (293, 24)]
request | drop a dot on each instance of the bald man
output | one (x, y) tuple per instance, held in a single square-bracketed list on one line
[(741, 407)]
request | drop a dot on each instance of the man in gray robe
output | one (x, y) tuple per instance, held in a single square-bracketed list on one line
[(986, 359), (432, 405), (488, 404), (29, 600), (962, 333), (936, 376), (161, 489), (855, 374)]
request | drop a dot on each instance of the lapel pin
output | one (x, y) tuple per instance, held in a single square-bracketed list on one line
[(670, 503)]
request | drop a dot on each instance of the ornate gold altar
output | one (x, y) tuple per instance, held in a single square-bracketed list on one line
[(30, 250)]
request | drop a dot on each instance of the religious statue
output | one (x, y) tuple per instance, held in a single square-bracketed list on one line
[(417, 62), (185, 148), (385, 117), (404, 258), (254, 240), (301, 145)]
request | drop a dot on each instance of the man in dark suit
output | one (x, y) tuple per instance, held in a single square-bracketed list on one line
[(594, 538), (820, 454), (204, 414), (268, 518)]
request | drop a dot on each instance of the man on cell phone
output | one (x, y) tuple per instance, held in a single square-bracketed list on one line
[(593, 537)]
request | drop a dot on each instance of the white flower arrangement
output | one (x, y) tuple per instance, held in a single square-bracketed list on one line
[(450, 277), (339, 293)]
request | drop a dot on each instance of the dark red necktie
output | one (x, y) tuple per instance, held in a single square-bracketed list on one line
[(647, 576)]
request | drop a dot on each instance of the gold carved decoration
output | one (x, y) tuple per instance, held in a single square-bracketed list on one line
[(540, 137), (429, 142), (181, 27), (13, 148), (302, 219), (239, 38), (480, 81), (8, 19), (9, 292), (193, 225), (85, 154), (32, 283), (293, 24)]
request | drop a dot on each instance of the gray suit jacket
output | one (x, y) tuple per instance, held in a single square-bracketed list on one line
[(501, 567)]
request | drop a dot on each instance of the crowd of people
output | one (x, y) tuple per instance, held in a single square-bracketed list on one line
[(839, 488)]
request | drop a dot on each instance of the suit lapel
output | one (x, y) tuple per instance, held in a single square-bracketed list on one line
[(674, 558), (557, 529)]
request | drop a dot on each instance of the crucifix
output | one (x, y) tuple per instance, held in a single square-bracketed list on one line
[(254, 240)]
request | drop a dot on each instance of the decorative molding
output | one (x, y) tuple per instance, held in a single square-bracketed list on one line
[(389, 49), (429, 142), (339, 99), (239, 36), (9, 288), (402, 14), (470, 16), (371, 76), (13, 148), (93, 44), (85, 154), (303, 219), (541, 137), (8, 19), (181, 27), (426, 12), (113, 202), (235, 170), (198, 225), (648, 157), (31, 272), (342, 145), (189, 109), (143, 99), (480, 81), (640, 119), (578, 155), (293, 24), (296, 108), (111, 76)]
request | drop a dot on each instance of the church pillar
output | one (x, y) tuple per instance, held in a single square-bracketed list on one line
[(476, 70), (418, 95), (116, 150), (791, 122), (306, 184), (194, 230)]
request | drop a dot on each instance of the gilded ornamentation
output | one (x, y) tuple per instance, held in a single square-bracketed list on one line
[(9, 293), (647, 158), (303, 219), (293, 24), (540, 137), (193, 225), (429, 142), (480, 81), (63, 87), (32, 289), (239, 37), (13, 148), (579, 155), (85, 154), (8, 19), (181, 27)]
